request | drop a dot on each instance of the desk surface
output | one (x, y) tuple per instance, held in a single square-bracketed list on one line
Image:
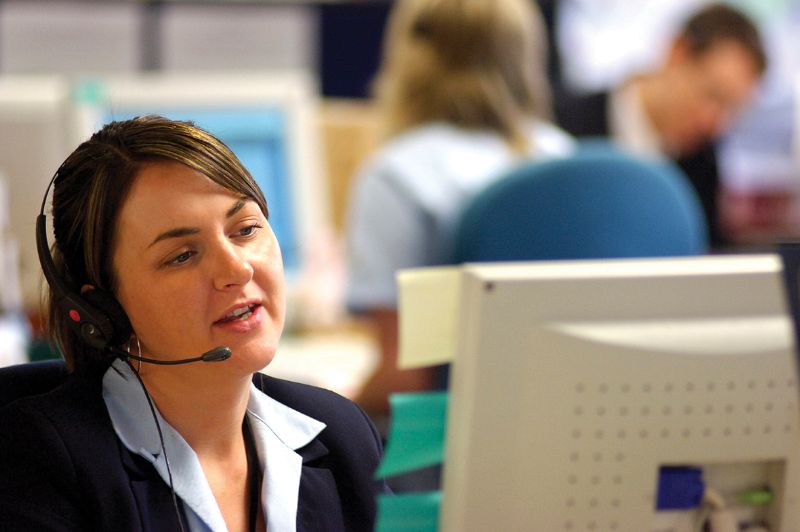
[(337, 360)]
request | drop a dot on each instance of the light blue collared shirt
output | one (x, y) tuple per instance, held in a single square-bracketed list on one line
[(278, 432)]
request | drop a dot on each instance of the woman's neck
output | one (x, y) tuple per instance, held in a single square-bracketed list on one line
[(205, 406)]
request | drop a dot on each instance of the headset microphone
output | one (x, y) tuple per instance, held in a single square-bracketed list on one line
[(218, 354)]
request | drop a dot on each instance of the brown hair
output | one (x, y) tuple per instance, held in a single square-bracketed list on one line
[(90, 188), (472, 63), (718, 23)]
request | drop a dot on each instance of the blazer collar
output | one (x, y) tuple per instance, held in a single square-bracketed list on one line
[(279, 432), (291, 427)]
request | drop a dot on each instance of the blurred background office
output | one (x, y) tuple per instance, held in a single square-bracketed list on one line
[(66, 65)]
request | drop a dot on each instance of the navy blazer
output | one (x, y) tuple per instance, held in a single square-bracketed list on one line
[(62, 466), (587, 116)]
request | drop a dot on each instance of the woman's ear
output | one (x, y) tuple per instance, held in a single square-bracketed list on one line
[(86, 288)]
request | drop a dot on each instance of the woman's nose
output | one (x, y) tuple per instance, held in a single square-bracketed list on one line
[(232, 267)]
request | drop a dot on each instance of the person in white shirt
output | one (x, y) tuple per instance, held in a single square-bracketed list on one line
[(462, 90), (678, 110)]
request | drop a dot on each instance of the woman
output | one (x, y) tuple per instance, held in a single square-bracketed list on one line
[(158, 225), (462, 89)]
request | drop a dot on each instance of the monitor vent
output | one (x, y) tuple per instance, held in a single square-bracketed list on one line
[(614, 422)]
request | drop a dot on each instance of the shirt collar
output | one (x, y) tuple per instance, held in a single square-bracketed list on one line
[(291, 427), (278, 431), (630, 126)]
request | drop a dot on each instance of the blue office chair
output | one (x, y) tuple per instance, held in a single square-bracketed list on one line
[(598, 203)]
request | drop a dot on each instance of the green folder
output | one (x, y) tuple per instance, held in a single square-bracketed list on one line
[(417, 432), (409, 512)]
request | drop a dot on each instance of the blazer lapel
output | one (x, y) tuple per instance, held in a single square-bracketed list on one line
[(315, 450), (153, 498), (318, 504)]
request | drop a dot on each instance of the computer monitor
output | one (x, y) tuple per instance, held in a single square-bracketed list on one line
[(34, 125), (267, 119), (575, 382)]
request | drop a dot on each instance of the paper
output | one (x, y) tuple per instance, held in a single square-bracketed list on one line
[(417, 432), (428, 304), (409, 512)]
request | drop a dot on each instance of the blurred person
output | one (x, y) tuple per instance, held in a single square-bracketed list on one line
[(710, 71), (163, 250), (462, 91)]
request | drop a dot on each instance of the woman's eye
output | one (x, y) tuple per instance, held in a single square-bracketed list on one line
[(183, 257), (249, 230)]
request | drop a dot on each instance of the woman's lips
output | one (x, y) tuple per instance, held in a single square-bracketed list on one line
[(246, 321)]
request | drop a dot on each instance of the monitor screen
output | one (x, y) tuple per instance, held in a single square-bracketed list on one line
[(258, 137), (577, 382), (264, 119)]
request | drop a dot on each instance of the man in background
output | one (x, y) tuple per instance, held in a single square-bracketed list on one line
[(709, 73)]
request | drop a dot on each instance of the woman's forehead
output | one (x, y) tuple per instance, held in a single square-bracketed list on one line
[(166, 195)]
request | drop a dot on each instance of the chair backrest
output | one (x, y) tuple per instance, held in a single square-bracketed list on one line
[(33, 378), (598, 203)]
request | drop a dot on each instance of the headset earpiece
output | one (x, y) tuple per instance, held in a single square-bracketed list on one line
[(95, 316), (111, 314)]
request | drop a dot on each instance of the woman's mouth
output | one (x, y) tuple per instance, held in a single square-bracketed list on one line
[(239, 314)]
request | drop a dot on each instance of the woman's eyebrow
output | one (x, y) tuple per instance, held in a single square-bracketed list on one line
[(185, 231), (236, 208), (174, 233)]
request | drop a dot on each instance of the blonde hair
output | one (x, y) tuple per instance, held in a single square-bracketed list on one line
[(477, 64)]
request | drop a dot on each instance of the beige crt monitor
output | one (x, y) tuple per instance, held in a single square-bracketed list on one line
[(575, 381), (35, 122)]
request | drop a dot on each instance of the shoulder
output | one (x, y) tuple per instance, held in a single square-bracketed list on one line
[(29, 422), (343, 417), (549, 140), (29, 379), (703, 161), (55, 447), (430, 166), (425, 138), (432, 149), (70, 420), (351, 447), (77, 401), (566, 101), (33, 450), (583, 115)]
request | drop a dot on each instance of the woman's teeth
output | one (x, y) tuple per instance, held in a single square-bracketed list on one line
[(240, 314), (245, 315)]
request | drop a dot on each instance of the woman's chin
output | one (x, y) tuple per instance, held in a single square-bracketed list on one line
[(251, 358)]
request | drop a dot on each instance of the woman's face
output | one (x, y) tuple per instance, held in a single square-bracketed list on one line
[(198, 267)]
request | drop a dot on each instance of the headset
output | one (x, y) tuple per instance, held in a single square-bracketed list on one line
[(95, 315)]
